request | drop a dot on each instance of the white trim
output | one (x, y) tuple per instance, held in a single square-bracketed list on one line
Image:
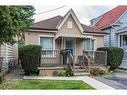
[(71, 12)]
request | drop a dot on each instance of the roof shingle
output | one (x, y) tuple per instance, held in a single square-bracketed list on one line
[(51, 24), (110, 17)]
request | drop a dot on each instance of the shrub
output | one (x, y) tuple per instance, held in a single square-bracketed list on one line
[(68, 71), (62, 73), (65, 72), (114, 56), (30, 57), (97, 72)]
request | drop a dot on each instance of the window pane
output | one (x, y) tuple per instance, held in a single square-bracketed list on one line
[(89, 45), (125, 40), (46, 42)]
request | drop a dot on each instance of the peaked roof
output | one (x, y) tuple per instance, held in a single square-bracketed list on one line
[(54, 23), (110, 17), (48, 24)]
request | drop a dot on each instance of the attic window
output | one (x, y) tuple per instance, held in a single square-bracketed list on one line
[(69, 24)]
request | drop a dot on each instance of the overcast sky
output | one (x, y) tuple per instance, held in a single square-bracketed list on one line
[(84, 13)]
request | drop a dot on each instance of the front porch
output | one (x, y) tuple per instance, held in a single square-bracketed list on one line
[(55, 60)]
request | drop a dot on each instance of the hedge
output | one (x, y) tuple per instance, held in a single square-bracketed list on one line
[(114, 56), (30, 57)]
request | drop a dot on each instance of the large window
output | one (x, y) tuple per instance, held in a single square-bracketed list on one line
[(47, 45), (89, 45)]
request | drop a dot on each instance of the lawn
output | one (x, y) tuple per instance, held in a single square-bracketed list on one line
[(49, 84)]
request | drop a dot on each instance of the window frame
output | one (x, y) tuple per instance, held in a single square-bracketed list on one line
[(92, 46), (69, 24), (48, 36)]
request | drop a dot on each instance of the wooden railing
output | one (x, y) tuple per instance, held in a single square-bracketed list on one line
[(50, 58), (86, 62), (71, 61)]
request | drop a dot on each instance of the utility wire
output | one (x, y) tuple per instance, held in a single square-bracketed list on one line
[(50, 10)]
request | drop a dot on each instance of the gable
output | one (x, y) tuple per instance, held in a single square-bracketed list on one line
[(72, 14), (64, 30)]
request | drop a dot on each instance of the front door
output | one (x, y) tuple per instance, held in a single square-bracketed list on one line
[(69, 45)]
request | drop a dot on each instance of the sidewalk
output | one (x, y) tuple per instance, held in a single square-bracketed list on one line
[(94, 83)]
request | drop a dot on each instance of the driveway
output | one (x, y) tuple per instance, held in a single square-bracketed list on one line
[(117, 80)]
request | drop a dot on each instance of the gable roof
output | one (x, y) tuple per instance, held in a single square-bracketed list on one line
[(48, 24), (71, 12), (110, 17), (54, 23)]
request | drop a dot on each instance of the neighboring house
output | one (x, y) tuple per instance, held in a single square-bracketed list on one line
[(9, 54), (63, 33), (114, 22)]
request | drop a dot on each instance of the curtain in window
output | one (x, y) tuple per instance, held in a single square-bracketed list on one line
[(89, 45), (46, 43)]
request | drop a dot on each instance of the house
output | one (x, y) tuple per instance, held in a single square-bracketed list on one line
[(63, 33), (8, 55), (114, 22)]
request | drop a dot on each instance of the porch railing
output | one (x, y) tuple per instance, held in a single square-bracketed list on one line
[(50, 58), (97, 58), (71, 62)]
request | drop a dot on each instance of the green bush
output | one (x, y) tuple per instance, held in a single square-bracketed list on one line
[(30, 57), (65, 72), (114, 56), (62, 73), (68, 71)]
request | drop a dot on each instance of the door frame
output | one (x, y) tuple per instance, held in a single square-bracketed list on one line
[(74, 44)]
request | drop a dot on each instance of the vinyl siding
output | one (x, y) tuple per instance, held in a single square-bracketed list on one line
[(9, 53)]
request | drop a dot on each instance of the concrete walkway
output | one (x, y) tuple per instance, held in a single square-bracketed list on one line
[(16, 74), (94, 83)]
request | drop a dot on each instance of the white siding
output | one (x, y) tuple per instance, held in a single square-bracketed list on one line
[(9, 53)]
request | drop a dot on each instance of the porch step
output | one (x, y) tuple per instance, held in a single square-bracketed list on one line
[(79, 70), (81, 74)]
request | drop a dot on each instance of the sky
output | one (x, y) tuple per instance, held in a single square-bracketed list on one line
[(84, 13)]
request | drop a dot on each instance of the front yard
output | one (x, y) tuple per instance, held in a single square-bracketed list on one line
[(47, 84)]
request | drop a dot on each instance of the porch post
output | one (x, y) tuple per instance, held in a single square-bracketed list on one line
[(118, 40)]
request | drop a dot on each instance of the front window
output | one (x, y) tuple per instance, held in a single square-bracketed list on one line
[(89, 47), (47, 45)]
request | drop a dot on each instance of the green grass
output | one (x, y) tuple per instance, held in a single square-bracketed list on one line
[(49, 84)]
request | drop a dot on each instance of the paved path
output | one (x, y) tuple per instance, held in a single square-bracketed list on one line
[(94, 83), (16, 74), (117, 80)]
